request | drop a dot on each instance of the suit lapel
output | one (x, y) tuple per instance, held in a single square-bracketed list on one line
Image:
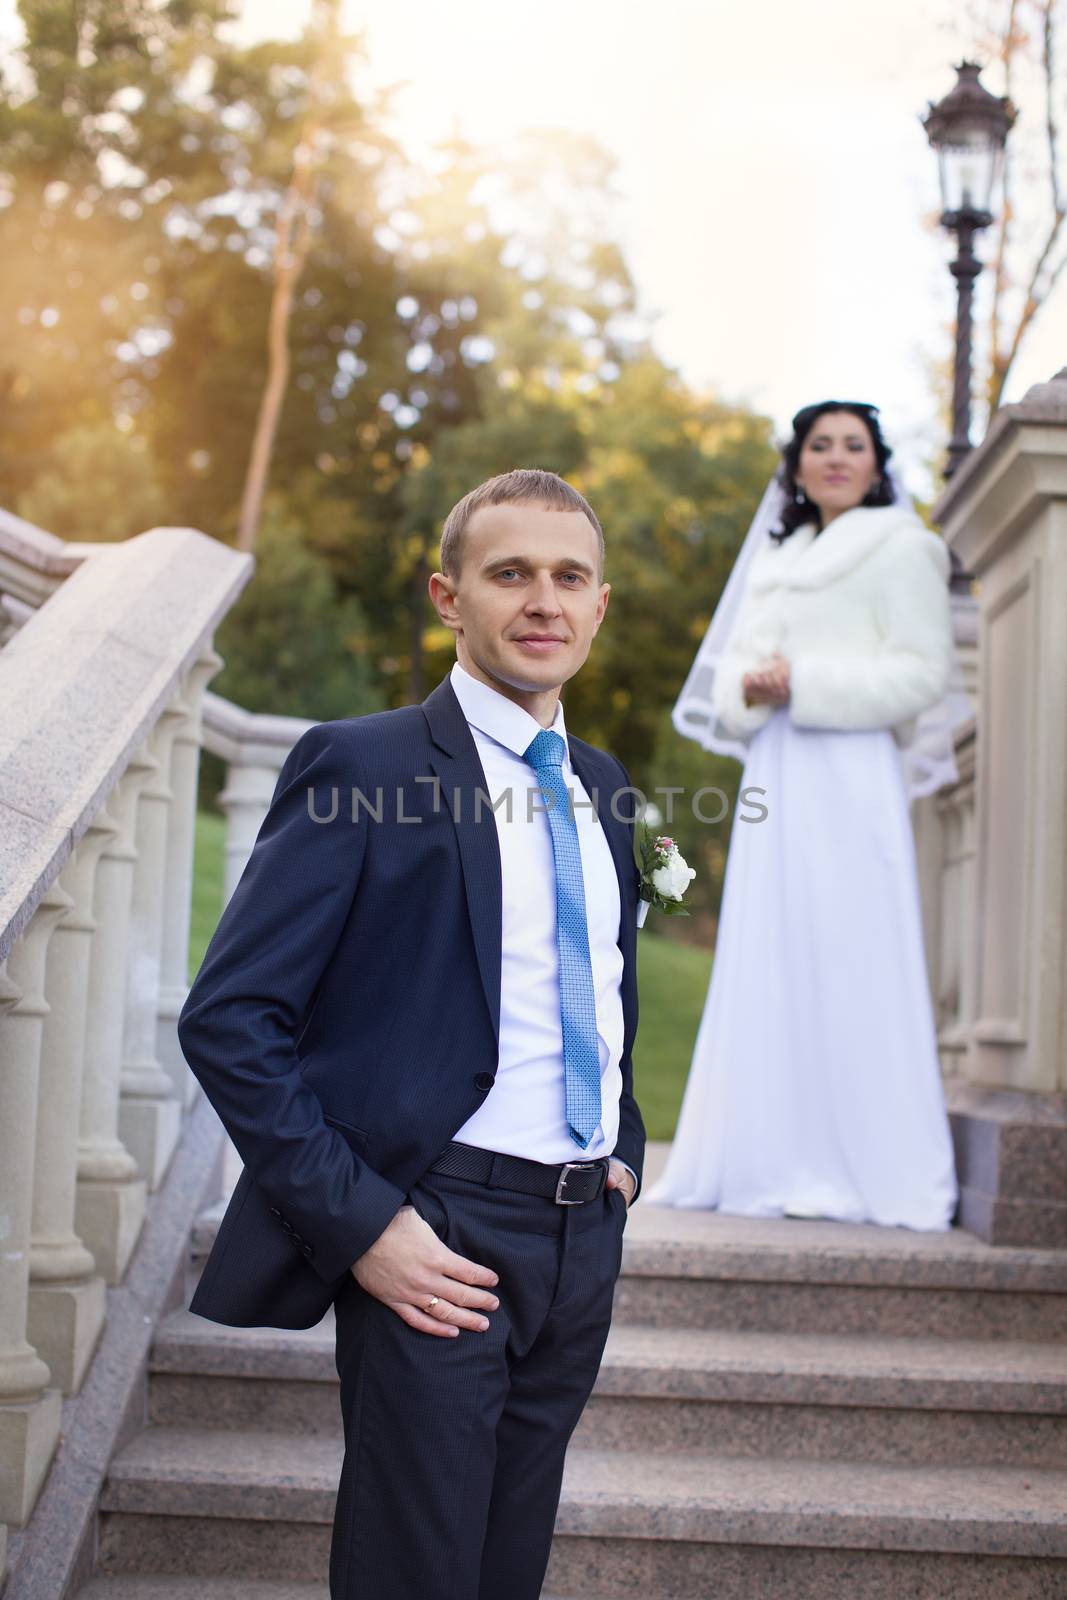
[(620, 843), (455, 762)]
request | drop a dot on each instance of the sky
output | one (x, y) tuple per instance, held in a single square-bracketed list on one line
[(774, 182)]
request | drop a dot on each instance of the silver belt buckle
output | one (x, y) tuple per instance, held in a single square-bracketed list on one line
[(571, 1166)]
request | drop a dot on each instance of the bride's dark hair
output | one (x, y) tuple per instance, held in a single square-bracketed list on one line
[(799, 509)]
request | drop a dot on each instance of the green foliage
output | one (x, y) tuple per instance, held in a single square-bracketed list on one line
[(291, 645), (673, 479), (95, 483), (145, 158)]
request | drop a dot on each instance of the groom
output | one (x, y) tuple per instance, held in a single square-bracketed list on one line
[(416, 1019)]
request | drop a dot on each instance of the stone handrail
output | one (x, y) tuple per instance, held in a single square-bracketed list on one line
[(106, 650)]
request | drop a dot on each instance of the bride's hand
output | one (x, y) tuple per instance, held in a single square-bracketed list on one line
[(769, 685)]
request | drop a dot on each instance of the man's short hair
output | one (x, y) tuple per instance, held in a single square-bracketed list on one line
[(525, 486)]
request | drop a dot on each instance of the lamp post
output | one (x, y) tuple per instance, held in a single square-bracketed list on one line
[(968, 129)]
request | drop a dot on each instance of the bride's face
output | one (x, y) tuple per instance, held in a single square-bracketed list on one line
[(837, 463)]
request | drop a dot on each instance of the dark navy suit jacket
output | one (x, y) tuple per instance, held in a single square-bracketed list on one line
[(344, 1023)]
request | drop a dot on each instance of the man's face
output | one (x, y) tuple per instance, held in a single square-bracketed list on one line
[(528, 599)]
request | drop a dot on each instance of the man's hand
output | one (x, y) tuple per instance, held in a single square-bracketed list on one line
[(620, 1177), (769, 685), (408, 1265)]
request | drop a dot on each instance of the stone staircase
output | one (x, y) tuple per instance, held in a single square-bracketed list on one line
[(785, 1409)]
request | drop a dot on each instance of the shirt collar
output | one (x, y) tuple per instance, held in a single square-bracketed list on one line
[(497, 717)]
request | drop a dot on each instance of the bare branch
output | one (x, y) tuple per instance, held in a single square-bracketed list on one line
[(1042, 279), (1051, 129), (1008, 48)]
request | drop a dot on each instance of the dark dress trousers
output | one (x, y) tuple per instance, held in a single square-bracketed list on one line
[(344, 1024)]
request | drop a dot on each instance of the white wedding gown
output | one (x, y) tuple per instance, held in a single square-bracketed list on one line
[(814, 1088)]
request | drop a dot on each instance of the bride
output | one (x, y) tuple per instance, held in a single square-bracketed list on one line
[(815, 1089)]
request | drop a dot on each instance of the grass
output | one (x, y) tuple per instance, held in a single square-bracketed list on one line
[(673, 980), (207, 883), (672, 984)]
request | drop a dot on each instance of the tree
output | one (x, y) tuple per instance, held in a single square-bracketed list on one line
[(145, 160), (293, 646), (1029, 242), (81, 223), (95, 483)]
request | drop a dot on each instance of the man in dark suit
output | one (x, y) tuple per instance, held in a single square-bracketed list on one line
[(416, 1020)]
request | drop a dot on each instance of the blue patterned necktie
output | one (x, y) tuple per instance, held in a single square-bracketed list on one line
[(577, 1000)]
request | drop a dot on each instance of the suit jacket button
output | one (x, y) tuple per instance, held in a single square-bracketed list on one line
[(307, 1250), (287, 1227), (275, 1213), (484, 1081)]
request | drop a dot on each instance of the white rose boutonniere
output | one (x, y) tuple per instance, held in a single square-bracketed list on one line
[(665, 874)]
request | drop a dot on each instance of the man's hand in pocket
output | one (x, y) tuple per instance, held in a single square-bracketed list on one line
[(428, 1285)]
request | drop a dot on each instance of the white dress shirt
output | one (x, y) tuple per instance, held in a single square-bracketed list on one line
[(524, 1114)]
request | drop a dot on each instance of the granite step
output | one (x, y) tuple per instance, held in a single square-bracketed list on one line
[(260, 1504), (671, 1390), (166, 1587), (171, 1587), (707, 1270), (704, 1269)]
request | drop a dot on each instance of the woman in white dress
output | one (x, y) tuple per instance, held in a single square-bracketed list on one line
[(814, 1089)]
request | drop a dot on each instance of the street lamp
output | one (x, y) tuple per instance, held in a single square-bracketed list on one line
[(968, 129)]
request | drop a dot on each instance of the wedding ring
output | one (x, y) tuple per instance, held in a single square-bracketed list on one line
[(433, 1302)]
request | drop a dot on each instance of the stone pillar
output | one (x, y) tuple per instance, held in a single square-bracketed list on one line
[(110, 1203), (29, 1409), (245, 800), (149, 1112), (1005, 514), (67, 1295), (178, 887)]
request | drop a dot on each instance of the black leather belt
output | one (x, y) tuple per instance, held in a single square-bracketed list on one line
[(571, 1183)]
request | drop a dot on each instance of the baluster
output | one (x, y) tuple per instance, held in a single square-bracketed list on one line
[(67, 1295), (29, 1409), (178, 888), (149, 1112), (110, 1205)]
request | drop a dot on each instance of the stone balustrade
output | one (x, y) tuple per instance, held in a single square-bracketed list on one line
[(253, 746), (999, 866), (105, 652), (945, 843)]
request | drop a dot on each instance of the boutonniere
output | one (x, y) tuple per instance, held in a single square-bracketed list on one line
[(665, 873)]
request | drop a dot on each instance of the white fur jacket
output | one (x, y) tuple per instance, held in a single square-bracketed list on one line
[(861, 613)]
